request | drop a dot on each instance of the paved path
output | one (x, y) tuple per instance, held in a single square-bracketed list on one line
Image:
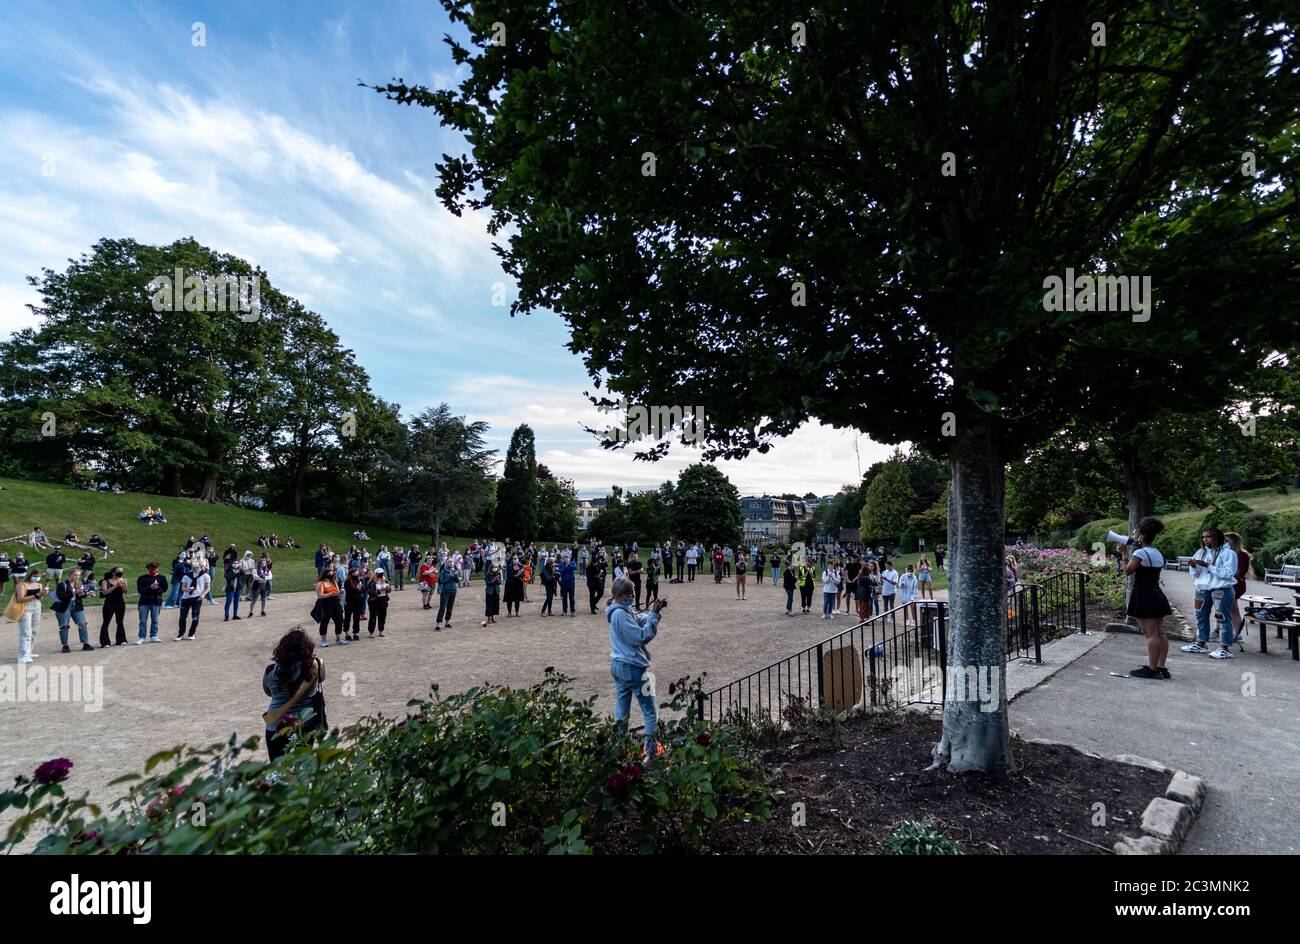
[(1235, 722)]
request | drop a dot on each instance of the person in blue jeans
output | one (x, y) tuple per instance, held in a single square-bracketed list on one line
[(629, 659), (567, 571), (179, 567), (232, 591), (151, 586), (1215, 565)]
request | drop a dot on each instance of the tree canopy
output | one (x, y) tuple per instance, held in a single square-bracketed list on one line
[(826, 207)]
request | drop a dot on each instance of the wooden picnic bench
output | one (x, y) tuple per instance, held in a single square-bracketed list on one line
[(1291, 626)]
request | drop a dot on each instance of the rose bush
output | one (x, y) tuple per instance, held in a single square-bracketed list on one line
[(490, 770), (1104, 585)]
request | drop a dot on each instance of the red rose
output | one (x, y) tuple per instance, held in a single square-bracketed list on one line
[(616, 786), (631, 773), (53, 771), (703, 739)]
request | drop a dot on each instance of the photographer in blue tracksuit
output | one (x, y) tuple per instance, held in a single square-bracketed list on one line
[(629, 632)]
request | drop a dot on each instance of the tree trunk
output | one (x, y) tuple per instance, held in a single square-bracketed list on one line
[(1137, 485), (1141, 502), (209, 492), (296, 489), (171, 481), (976, 733)]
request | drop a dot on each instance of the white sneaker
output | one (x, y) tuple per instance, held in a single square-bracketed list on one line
[(36, 655), (140, 641), (1195, 647), (1221, 654), (154, 639)]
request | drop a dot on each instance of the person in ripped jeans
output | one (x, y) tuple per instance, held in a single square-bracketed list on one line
[(1215, 565)]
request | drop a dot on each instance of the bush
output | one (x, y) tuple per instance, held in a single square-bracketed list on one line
[(1274, 554), (490, 770), (913, 838), (1252, 526), (907, 541), (1036, 564)]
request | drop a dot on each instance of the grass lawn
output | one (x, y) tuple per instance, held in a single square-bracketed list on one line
[(60, 508)]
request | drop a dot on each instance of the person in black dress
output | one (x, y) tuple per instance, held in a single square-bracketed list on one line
[(113, 589), (514, 587), (1147, 603)]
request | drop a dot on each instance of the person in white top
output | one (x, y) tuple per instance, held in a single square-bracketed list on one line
[(832, 580), (1215, 565), (194, 586), (907, 596), (888, 587)]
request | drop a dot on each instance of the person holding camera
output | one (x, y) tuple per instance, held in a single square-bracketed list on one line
[(1147, 603), (629, 659), (1215, 564), (25, 610), (113, 589), (68, 608), (151, 586)]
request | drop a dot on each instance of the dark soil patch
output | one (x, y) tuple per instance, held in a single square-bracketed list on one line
[(857, 786)]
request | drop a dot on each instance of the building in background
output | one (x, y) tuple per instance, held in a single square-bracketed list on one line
[(588, 509), (771, 520)]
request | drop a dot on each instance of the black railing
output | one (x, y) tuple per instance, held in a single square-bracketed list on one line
[(887, 660)]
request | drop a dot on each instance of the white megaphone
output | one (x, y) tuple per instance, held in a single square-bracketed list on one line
[(1118, 538)]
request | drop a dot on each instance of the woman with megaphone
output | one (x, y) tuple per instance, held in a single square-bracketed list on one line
[(1147, 603)]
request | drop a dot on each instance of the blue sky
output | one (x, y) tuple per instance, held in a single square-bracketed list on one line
[(261, 144)]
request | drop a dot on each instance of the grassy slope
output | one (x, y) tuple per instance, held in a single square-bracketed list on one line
[(59, 508), (1181, 527)]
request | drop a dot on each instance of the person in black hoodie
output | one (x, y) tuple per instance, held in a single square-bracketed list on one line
[(596, 580), (790, 582), (634, 575), (354, 603), (54, 562), (87, 565), (151, 586)]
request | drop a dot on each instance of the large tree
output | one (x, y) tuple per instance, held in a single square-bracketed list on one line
[(445, 473), (888, 502), (154, 392), (706, 506), (322, 398), (828, 207), (557, 506), (516, 516)]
